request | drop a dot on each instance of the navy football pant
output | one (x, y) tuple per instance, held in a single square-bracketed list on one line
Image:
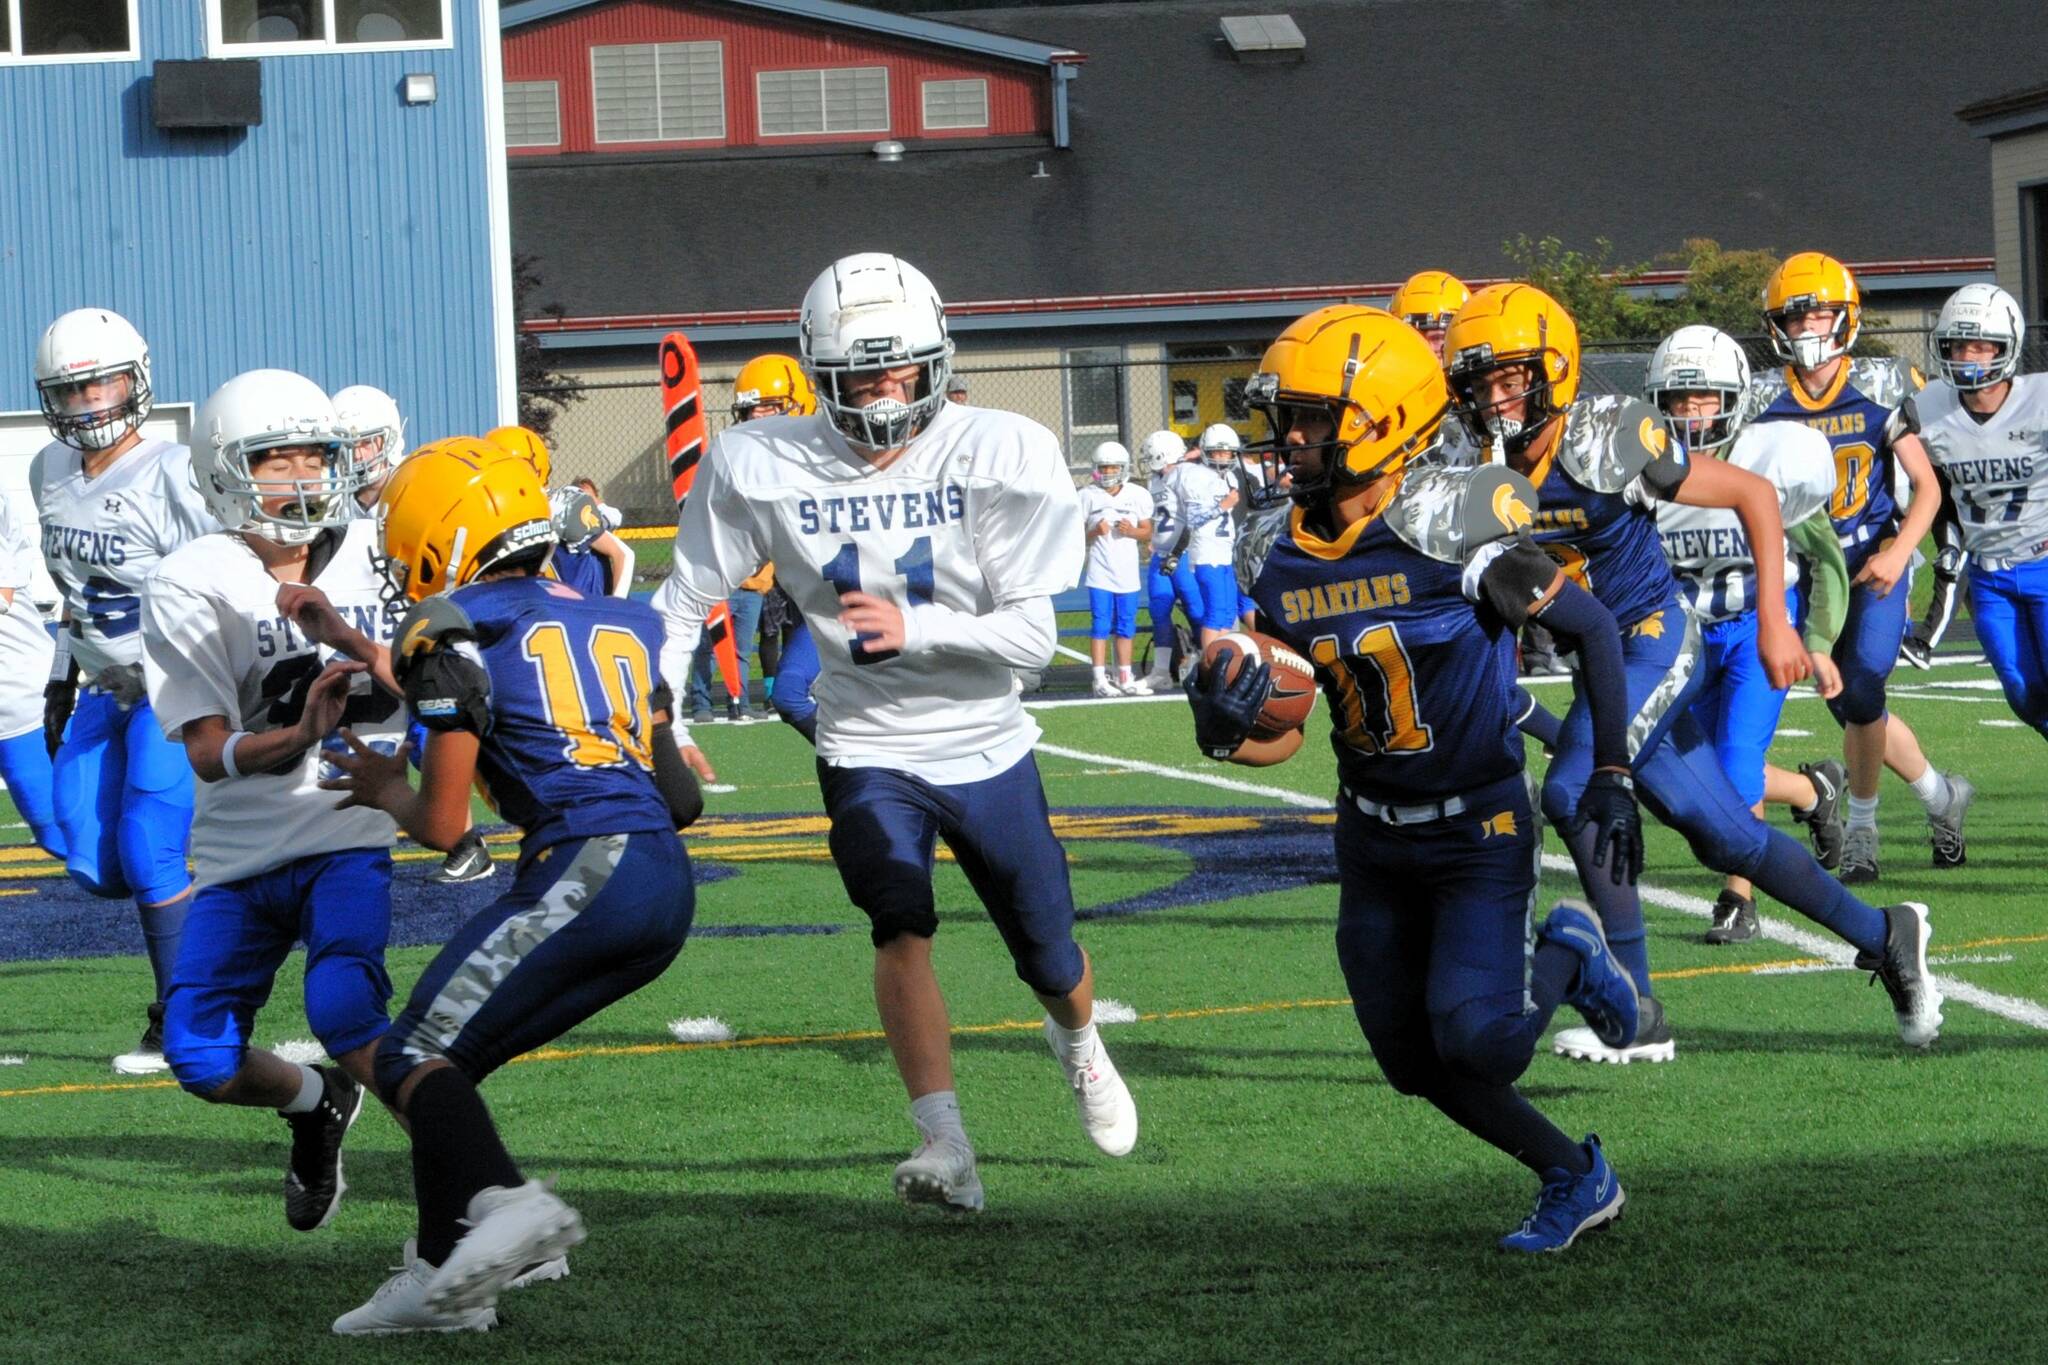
[(238, 934), (586, 923), (885, 828), (2010, 607), (1868, 648)]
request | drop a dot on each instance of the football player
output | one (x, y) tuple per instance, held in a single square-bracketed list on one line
[(372, 416), (1985, 425), (1206, 494), (1117, 515), (552, 699), (1169, 574), (26, 652), (113, 504), (1699, 380), (248, 697), (1427, 301), (1813, 310), (924, 542), (1598, 463), (1404, 585)]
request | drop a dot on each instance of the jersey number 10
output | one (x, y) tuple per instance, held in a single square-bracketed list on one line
[(624, 681)]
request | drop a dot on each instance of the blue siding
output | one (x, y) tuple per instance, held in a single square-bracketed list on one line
[(347, 238)]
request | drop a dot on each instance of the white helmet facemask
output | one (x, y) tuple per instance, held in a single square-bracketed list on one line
[(84, 346), (1979, 312), (261, 411), (867, 313), (371, 418), (1700, 359)]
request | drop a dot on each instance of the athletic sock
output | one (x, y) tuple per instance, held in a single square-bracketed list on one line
[(1620, 909), (1123, 674), (937, 1115), (1076, 1045), (162, 927), (1789, 873), (1498, 1114), (1862, 813), (1101, 674), (1932, 789), (456, 1152), (312, 1085)]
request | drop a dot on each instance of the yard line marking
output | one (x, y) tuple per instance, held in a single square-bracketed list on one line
[(2000, 724), (1229, 784)]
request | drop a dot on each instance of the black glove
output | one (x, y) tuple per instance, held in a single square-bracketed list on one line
[(1224, 715), (58, 700), (1609, 805)]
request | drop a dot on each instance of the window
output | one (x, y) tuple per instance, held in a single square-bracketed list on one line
[(956, 104), (2033, 251), (1235, 409), (852, 99), (659, 92), (1095, 394), (240, 28), (533, 114), (1187, 402), (67, 31)]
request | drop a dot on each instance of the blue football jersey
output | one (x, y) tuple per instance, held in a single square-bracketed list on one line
[(1854, 413), (561, 689), (583, 570), (1419, 679)]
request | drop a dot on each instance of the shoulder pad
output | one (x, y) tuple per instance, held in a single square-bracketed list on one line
[(576, 518), (1764, 388), (1448, 513), (434, 624), (1608, 440), (1884, 379), (1261, 532)]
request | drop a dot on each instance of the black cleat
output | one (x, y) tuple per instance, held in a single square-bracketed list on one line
[(1945, 831), (468, 861), (1824, 822), (1734, 919), (312, 1178), (1902, 968)]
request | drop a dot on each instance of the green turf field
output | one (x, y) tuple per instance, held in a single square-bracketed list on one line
[(1800, 1187)]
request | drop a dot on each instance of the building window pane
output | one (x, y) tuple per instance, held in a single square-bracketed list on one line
[(6, 34), (790, 102), (1095, 392), (956, 104), (1187, 403), (64, 28), (626, 93), (272, 21), (388, 21), (847, 100), (533, 114), (692, 83), (659, 92)]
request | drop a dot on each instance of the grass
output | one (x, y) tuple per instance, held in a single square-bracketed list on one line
[(1799, 1186)]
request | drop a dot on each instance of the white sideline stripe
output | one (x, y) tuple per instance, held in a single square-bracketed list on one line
[(1072, 653), (1970, 685), (1998, 724), (2015, 1008)]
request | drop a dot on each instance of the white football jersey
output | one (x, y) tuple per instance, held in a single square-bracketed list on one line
[(1707, 547), (1997, 468), (25, 643), (104, 537), (1166, 527), (214, 645), (976, 513), (1199, 494), (1113, 558)]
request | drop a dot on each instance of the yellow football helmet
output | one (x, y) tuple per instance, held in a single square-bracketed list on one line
[(528, 445), (457, 509), (1512, 324), (1371, 374), (772, 385), (1429, 300), (1803, 283)]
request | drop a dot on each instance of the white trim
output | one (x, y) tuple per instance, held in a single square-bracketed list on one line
[(11, 55), (824, 117), (661, 137), (216, 46), (498, 213), (924, 103), (556, 87)]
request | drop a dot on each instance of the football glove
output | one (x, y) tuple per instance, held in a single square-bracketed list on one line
[(1225, 713), (1609, 805), (59, 697)]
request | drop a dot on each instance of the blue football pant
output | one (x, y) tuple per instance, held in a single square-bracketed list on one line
[(1737, 707), (1219, 596), (123, 796), (885, 828), (793, 681), (1868, 649), (585, 924), (25, 767), (2010, 607), (1112, 613), (238, 934), (1161, 593)]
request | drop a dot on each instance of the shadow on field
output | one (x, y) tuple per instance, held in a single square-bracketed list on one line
[(1745, 1259), (1877, 1041)]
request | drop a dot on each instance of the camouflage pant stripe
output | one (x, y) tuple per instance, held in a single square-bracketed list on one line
[(1671, 687), (1534, 788), (470, 988)]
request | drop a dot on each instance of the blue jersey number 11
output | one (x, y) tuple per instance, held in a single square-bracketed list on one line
[(915, 568)]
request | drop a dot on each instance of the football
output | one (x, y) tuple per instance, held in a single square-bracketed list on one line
[(1294, 681)]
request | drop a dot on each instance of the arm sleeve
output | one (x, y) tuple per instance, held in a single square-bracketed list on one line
[(1514, 578), (1577, 614), (673, 778), (1662, 476), (185, 662), (1017, 634), (717, 547), (1827, 601)]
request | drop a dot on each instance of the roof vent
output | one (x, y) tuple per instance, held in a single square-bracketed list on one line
[(888, 150), (1267, 39)]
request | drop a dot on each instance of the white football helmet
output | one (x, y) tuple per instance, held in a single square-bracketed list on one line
[(371, 417), (1112, 462), (263, 410), (868, 312), (83, 345), (1220, 444), (1161, 451), (1980, 312), (1699, 359)]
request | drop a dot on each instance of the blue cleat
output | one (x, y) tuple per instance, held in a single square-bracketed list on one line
[(1569, 1205), (1601, 991)]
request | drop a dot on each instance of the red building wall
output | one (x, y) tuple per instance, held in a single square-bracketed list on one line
[(1019, 98)]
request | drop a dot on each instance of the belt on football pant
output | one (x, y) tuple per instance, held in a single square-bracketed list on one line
[(1420, 814), (1869, 530)]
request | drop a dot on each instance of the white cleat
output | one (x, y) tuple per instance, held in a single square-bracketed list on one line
[(941, 1172), (557, 1269), (1106, 688), (1653, 1041), (1108, 1113), (509, 1232), (1136, 687), (141, 1062), (400, 1305)]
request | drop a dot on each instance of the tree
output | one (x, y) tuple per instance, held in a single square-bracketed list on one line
[(1589, 285), (545, 393)]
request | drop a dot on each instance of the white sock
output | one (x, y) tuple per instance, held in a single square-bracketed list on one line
[(1101, 673), (1123, 673), (312, 1085), (1862, 813), (1931, 788), (937, 1115), (1076, 1045)]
